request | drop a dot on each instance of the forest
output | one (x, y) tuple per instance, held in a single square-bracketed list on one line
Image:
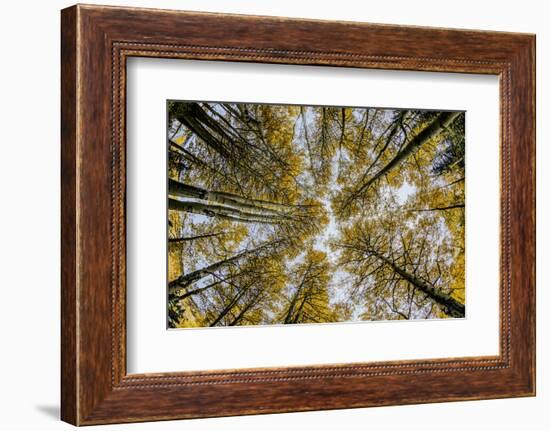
[(286, 214)]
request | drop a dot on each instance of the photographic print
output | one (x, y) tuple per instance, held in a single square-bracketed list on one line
[(286, 214)]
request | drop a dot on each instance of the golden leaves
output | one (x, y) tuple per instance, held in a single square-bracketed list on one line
[(356, 222)]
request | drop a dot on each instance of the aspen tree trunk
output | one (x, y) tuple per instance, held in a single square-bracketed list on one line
[(223, 212), (194, 118), (185, 190), (289, 318), (445, 208), (187, 279), (193, 238), (452, 307), (229, 306), (442, 121), (245, 309)]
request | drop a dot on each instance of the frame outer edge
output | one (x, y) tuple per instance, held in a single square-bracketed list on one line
[(533, 54), (530, 63), (523, 216), (532, 79), (69, 212)]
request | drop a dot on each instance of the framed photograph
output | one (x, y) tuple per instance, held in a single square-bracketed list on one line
[(313, 220), (266, 215)]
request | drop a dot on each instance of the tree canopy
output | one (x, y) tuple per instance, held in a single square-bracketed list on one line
[(283, 214)]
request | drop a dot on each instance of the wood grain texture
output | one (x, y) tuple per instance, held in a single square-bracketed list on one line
[(96, 41), (69, 397)]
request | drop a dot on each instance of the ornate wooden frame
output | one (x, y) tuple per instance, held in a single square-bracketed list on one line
[(95, 43)]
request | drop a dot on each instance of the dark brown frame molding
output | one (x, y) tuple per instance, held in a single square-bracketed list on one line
[(95, 43)]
